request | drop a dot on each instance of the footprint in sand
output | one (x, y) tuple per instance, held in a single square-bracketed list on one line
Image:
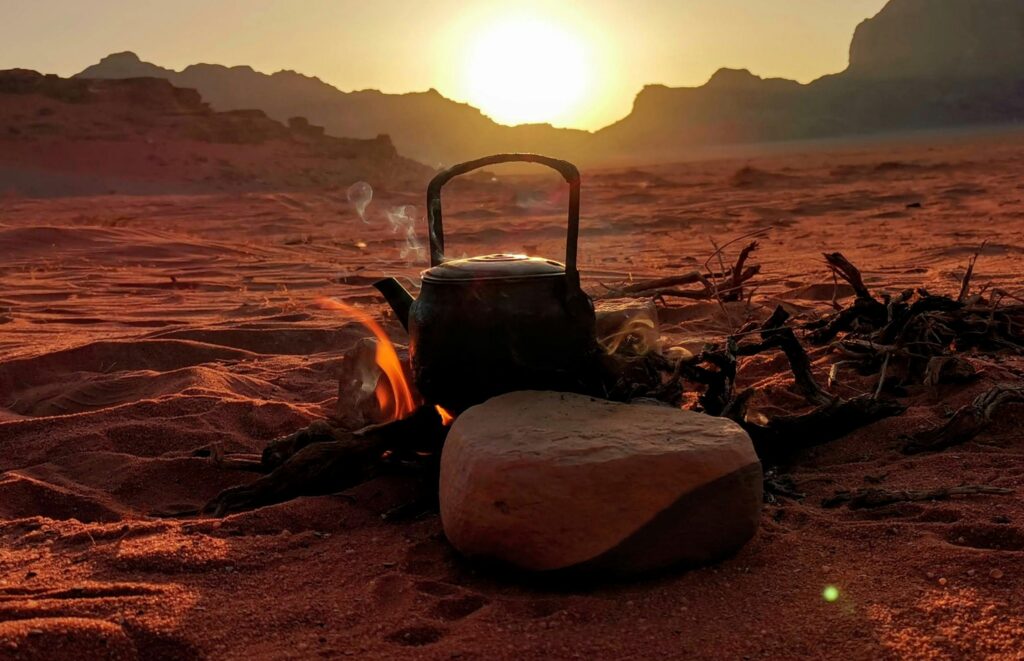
[(457, 608), (535, 609), (436, 588), (987, 537), (437, 600), (416, 636), (427, 559)]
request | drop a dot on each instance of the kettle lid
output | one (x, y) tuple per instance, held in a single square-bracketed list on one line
[(494, 267)]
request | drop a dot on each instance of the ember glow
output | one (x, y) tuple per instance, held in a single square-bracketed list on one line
[(394, 396), (446, 417)]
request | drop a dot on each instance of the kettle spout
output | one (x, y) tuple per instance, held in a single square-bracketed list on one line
[(397, 297)]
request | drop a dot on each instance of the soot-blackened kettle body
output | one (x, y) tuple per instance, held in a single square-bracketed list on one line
[(492, 324)]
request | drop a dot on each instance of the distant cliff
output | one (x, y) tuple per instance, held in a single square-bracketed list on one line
[(918, 64), (78, 136), (941, 39)]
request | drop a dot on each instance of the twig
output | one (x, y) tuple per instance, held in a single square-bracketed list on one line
[(881, 376), (718, 249), (876, 497), (965, 284), (663, 283), (741, 274), (848, 272)]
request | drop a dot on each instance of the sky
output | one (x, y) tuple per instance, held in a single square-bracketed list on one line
[(574, 63)]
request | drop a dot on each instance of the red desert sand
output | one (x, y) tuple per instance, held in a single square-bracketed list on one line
[(136, 330)]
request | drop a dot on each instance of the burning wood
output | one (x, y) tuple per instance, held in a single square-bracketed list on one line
[(394, 396)]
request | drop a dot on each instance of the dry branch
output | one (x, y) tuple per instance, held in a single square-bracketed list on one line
[(664, 283), (724, 285), (907, 333), (965, 284), (875, 497), (843, 268), (967, 422), (781, 436), (325, 459)]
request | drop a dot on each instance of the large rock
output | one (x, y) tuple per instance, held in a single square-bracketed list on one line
[(555, 481), (944, 39)]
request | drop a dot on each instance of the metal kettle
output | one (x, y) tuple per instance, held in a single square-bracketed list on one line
[(487, 325)]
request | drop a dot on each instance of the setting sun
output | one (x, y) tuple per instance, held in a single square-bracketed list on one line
[(526, 69)]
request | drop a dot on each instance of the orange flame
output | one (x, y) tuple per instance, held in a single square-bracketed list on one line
[(394, 396), (446, 417)]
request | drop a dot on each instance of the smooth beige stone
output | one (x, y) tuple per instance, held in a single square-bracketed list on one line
[(549, 481)]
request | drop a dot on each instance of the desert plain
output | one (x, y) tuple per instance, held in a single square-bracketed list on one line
[(139, 331)]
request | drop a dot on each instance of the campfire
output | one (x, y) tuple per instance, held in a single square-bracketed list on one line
[(391, 390), (396, 398), (466, 348)]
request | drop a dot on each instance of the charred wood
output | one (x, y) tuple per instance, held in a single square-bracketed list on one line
[(329, 459)]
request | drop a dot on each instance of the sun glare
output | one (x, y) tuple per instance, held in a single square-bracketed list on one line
[(524, 69)]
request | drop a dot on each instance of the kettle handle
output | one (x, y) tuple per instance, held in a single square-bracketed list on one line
[(568, 171)]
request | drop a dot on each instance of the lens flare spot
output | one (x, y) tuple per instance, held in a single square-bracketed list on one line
[(830, 593)]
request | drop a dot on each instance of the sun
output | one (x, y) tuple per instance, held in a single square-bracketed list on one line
[(525, 69)]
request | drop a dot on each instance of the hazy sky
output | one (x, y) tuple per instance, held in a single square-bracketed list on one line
[(604, 50)]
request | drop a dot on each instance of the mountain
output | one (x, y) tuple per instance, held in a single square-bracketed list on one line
[(940, 39), (423, 125), (917, 64), (142, 135)]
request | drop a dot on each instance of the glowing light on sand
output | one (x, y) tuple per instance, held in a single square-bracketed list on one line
[(523, 69), (830, 593)]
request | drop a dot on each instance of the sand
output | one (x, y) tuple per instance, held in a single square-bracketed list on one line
[(136, 330)]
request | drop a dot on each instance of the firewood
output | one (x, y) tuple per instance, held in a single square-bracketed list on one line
[(325, 459)]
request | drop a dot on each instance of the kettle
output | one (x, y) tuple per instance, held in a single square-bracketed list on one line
[(486, 325)]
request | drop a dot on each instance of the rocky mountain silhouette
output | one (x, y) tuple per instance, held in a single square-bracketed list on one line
[(917, 64), (951, 39), (143, 135), (423, 125)]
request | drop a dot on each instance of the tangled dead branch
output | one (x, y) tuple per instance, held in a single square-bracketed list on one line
[(776, 439), (915, 337)]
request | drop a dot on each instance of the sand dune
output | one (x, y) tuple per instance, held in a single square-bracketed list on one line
[(140, 334)]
